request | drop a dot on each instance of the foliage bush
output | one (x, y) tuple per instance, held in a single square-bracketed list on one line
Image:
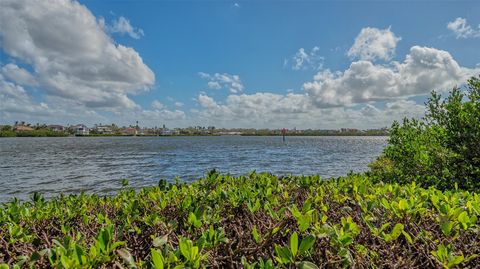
[(6, 131), (252, 221), (442, 149)]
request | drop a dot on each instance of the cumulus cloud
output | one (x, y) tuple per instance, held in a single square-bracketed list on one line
[(157, 105), (251, 109), (14, 99), (18, 75), (158, 112), (17, 105), (207, 101), (374, 44), (462, 29), (296, 110), (306, 60), (219, 81), (423, 70), (164, 114), (365, 95), (122, 26), (70, 54)]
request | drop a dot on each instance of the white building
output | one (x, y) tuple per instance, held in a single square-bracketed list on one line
[(104, 129), (81, 129)]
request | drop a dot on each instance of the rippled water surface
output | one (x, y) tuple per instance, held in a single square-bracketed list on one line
[(96, 164)]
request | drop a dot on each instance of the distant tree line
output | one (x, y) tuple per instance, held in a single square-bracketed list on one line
[(36, 131)]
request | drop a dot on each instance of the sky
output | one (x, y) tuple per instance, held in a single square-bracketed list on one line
[(247, 64)]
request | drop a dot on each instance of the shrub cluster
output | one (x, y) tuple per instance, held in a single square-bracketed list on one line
[(442, 149), (8, 131), (253, 221)]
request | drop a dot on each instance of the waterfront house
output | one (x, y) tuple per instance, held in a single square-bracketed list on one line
[(56, 128), (129, 131), (81, 129), (169, 132), (104, 129)]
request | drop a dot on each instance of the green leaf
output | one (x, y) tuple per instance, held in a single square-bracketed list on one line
[(383, 227), (346, 240), (294, 244), (464, 219), (403, 204), (397, 230), (193, 252), (256, 235), (441, 253), (455, 260), (306, 244), (283, 255), (185, 248), (157, 259), (407, 237), (446, 227)]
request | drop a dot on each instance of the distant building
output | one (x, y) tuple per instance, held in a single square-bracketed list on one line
[(170, 132), (104, 129), (230, 133), (130, 131), (349, 130), (56, 128), (81, 129)]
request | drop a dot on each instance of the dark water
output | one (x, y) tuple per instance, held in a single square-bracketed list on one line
[(96, 164)]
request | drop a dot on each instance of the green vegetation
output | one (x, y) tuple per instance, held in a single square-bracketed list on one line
[(41, 133), (37, 131), (6, 131), (442, 149), (253, 221)]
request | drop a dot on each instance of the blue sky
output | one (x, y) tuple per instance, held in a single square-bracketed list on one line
[(293, 62)]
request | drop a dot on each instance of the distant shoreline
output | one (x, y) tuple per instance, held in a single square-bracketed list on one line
[(203, 135)]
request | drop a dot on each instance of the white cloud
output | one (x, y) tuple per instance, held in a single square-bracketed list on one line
[(214, 85), (122, 26), (423, 70), (178, 104), (372, 44), (223, 81), (370, 110), (18, 75), (17, 105), (161, 111), (156, 115), (365, 95), (207, 101), (72, 58), (259, 110), (157, 105), (262, 110), (306, 60), (462, 29)]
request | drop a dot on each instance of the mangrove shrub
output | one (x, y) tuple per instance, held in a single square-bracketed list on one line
[(443, 148)]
